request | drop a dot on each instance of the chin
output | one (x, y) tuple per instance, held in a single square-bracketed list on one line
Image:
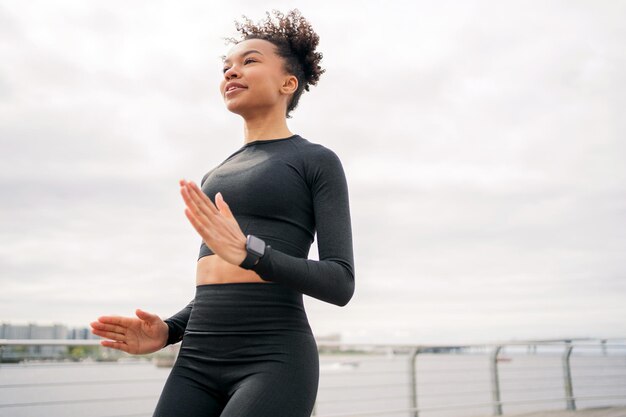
[(238, 109), (233, 108)]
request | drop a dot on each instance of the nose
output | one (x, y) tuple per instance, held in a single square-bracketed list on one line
[(231, 72)]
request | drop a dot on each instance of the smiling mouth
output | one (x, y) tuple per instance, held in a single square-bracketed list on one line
[(232, 90)]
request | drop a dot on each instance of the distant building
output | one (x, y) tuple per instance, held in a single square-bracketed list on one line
[(34, 331), (81, 333)]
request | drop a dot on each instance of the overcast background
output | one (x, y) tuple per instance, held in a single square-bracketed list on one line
[(483, 143)]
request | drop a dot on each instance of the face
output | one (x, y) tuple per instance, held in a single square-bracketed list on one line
[(265, 86)]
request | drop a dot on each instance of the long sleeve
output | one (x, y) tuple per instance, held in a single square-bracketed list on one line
[(331, 278), (177, 324)]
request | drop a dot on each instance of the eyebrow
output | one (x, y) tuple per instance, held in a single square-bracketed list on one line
[(225, 60)]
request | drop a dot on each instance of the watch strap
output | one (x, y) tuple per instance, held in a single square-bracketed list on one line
[(250, 260)]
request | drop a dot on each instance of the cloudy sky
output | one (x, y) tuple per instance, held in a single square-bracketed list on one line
[(483, 143)]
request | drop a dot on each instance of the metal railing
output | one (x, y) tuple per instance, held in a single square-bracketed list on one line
[(614, 349), (429, 379)]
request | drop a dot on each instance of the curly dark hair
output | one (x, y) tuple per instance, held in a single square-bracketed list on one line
[(295, 42)]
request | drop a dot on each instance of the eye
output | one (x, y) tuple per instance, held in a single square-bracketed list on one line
[(245, 62)]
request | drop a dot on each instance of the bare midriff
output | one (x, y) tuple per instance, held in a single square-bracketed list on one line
[(212, 269)]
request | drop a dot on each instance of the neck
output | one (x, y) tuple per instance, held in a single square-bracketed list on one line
[(271, 125)]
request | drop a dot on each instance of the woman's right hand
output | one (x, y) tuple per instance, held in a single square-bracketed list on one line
[(138, 336)]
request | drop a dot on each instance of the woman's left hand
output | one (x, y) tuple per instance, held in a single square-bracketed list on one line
[(216, 224)]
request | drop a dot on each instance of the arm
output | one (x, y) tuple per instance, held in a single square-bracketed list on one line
[(177, 324), (330, 279)]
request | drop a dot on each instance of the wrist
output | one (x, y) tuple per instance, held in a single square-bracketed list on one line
[(255, 249), (263, 268), (166, 335), (169, 335)]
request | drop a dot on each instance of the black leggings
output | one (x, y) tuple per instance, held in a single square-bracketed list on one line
[(247, 351)]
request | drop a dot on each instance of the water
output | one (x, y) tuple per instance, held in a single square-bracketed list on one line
[(348, 383)]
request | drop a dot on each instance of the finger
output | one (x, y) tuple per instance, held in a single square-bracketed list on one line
[(200, 212), (201, 198), (109, 335), (202, 230), (145, 316), (202, 206), (113, 328), (116, 345), (112, 320), (222, 205), (109, 328)]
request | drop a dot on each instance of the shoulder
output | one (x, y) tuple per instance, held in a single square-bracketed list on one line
[(206, 176), (315, 154), (321, 164)]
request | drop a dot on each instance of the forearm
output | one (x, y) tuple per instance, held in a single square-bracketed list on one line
[(327, 280), (177, 324)]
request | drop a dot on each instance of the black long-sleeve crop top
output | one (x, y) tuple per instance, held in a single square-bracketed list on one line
[(285, 191)]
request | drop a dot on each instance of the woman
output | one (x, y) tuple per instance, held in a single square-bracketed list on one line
[(247, 347)]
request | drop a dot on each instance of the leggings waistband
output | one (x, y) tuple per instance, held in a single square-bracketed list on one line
[(247, 307)]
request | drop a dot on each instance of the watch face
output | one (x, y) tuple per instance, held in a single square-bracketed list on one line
[(256, 245)]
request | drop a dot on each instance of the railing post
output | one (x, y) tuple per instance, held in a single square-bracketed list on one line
[(413, 386), (567, 375), (495, 382)]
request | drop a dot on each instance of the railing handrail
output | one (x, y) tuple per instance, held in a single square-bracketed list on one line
[(604, 342), (50, 342)]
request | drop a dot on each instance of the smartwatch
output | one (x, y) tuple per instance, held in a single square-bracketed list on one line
[(255, 248)]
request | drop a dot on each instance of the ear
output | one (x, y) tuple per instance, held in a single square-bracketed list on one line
[(290, 85)]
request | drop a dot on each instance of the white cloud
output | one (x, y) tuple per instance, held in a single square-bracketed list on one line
[(482, 143)]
